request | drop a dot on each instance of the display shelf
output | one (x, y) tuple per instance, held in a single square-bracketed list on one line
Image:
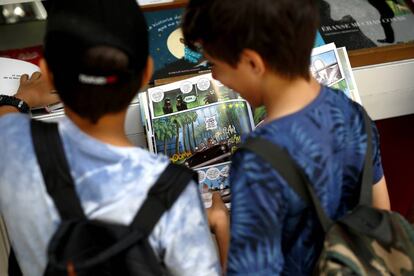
[(164, 6), (387, 90), (379, 55)]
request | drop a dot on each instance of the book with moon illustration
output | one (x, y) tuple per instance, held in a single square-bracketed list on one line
[(171, 57)]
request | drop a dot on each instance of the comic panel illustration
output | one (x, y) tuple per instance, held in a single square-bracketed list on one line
[(203, 136), (188, 94), (214, 179), (325, 65)]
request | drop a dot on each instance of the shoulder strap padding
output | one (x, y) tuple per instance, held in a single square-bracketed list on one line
[(162, 196)]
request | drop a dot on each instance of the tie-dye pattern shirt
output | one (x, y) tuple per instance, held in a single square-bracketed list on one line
[(272, 231), (111, 182)]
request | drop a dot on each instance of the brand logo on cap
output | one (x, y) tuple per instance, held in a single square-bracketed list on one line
[(97, 80)]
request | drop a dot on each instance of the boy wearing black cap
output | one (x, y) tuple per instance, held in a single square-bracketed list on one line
[(262, 50), (96, 57)]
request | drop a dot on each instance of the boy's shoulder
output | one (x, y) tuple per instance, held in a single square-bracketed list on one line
[(315, 124), (13, 123)]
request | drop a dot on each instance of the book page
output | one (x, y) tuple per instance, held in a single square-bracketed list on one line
[(352, 88), (10, 72), (199, 123)]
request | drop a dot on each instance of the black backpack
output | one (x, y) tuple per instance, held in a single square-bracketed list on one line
[(89, 247), (366, 241)]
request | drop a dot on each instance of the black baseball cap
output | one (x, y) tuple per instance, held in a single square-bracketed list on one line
[(75, 26)]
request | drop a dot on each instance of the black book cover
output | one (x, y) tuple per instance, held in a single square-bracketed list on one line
[(359, 24)]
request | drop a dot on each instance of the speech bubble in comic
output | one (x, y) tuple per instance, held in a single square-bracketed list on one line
[(218, 83), (186, 87), (157, 95), (203, 84), (225, 171), (190, 99), (201, 176), (213, 174)]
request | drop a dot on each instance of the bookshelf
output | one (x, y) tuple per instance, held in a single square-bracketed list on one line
[(358, 58), (372, 56)]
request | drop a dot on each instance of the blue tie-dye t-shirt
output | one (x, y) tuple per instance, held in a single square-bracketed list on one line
[(272, 231), (111, 182)]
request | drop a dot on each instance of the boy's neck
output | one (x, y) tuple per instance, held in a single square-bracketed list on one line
[(109, 129), (282, 97)]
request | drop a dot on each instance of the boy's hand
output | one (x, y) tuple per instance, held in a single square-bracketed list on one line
[(219, 221), (218, 204), (35, 91)]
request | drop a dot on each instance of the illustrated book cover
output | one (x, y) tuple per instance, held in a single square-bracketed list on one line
[(171, 57)]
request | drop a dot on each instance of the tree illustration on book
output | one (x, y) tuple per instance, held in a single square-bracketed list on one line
[(204, 135), (199, 123)]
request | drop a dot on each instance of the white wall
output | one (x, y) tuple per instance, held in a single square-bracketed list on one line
[(387, 90)]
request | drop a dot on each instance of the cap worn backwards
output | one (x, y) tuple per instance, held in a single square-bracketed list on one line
[(75, 26)]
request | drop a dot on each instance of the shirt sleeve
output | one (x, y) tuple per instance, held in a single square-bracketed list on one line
[(186, 243), (259, 208), (13, 137), (377, 164)]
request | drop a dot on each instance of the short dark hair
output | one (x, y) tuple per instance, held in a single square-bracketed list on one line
[(281, 31), (97, 51)]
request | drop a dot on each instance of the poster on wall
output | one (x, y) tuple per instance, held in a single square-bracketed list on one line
[(359, 24)]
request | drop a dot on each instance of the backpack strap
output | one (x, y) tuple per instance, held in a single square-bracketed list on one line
[(51, 157), (365, 195), (162, 196), (281, 161), (14, 267)]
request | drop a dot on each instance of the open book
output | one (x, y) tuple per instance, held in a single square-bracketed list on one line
[(10, 72), (199, 123)]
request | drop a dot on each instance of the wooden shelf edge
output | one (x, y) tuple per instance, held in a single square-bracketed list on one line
[(163, 6), (380, 55)]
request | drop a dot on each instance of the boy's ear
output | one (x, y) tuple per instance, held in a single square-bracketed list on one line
[(46, 73), (147, 74), (254, 61)]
